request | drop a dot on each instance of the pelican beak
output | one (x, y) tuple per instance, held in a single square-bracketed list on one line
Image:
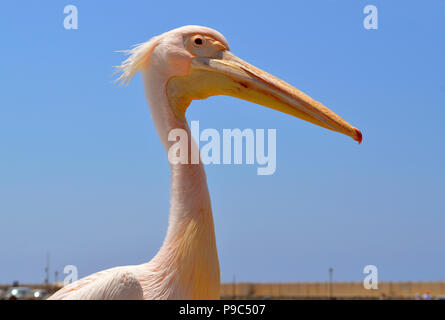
[(229, 75)]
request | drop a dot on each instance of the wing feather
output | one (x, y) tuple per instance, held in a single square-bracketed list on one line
[(112, 285)]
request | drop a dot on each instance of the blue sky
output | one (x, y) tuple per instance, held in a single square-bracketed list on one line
[(84, 176)]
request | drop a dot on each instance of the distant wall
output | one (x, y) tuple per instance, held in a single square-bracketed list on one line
[(53, 287), (321, 290), (311, 290)]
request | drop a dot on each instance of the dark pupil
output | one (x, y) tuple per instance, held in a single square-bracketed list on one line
[(198, 41)]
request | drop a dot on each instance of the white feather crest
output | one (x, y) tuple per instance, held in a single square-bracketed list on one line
[(139, 57)]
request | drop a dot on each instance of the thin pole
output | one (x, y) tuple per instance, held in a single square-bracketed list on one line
[(47, 269), (331, 273)]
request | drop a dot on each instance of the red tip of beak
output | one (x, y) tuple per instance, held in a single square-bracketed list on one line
[(359, 136)]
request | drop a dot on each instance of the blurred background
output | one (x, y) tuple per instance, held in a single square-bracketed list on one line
[(84, 180)]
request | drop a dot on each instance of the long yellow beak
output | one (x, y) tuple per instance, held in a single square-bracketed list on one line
[(229, 75)]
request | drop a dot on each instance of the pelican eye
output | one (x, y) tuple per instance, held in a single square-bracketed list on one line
[(198, 41)]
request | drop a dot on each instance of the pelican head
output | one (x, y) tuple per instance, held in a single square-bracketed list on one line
[(195, 63)]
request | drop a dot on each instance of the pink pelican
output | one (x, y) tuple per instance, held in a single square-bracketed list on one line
[(179, 66)]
